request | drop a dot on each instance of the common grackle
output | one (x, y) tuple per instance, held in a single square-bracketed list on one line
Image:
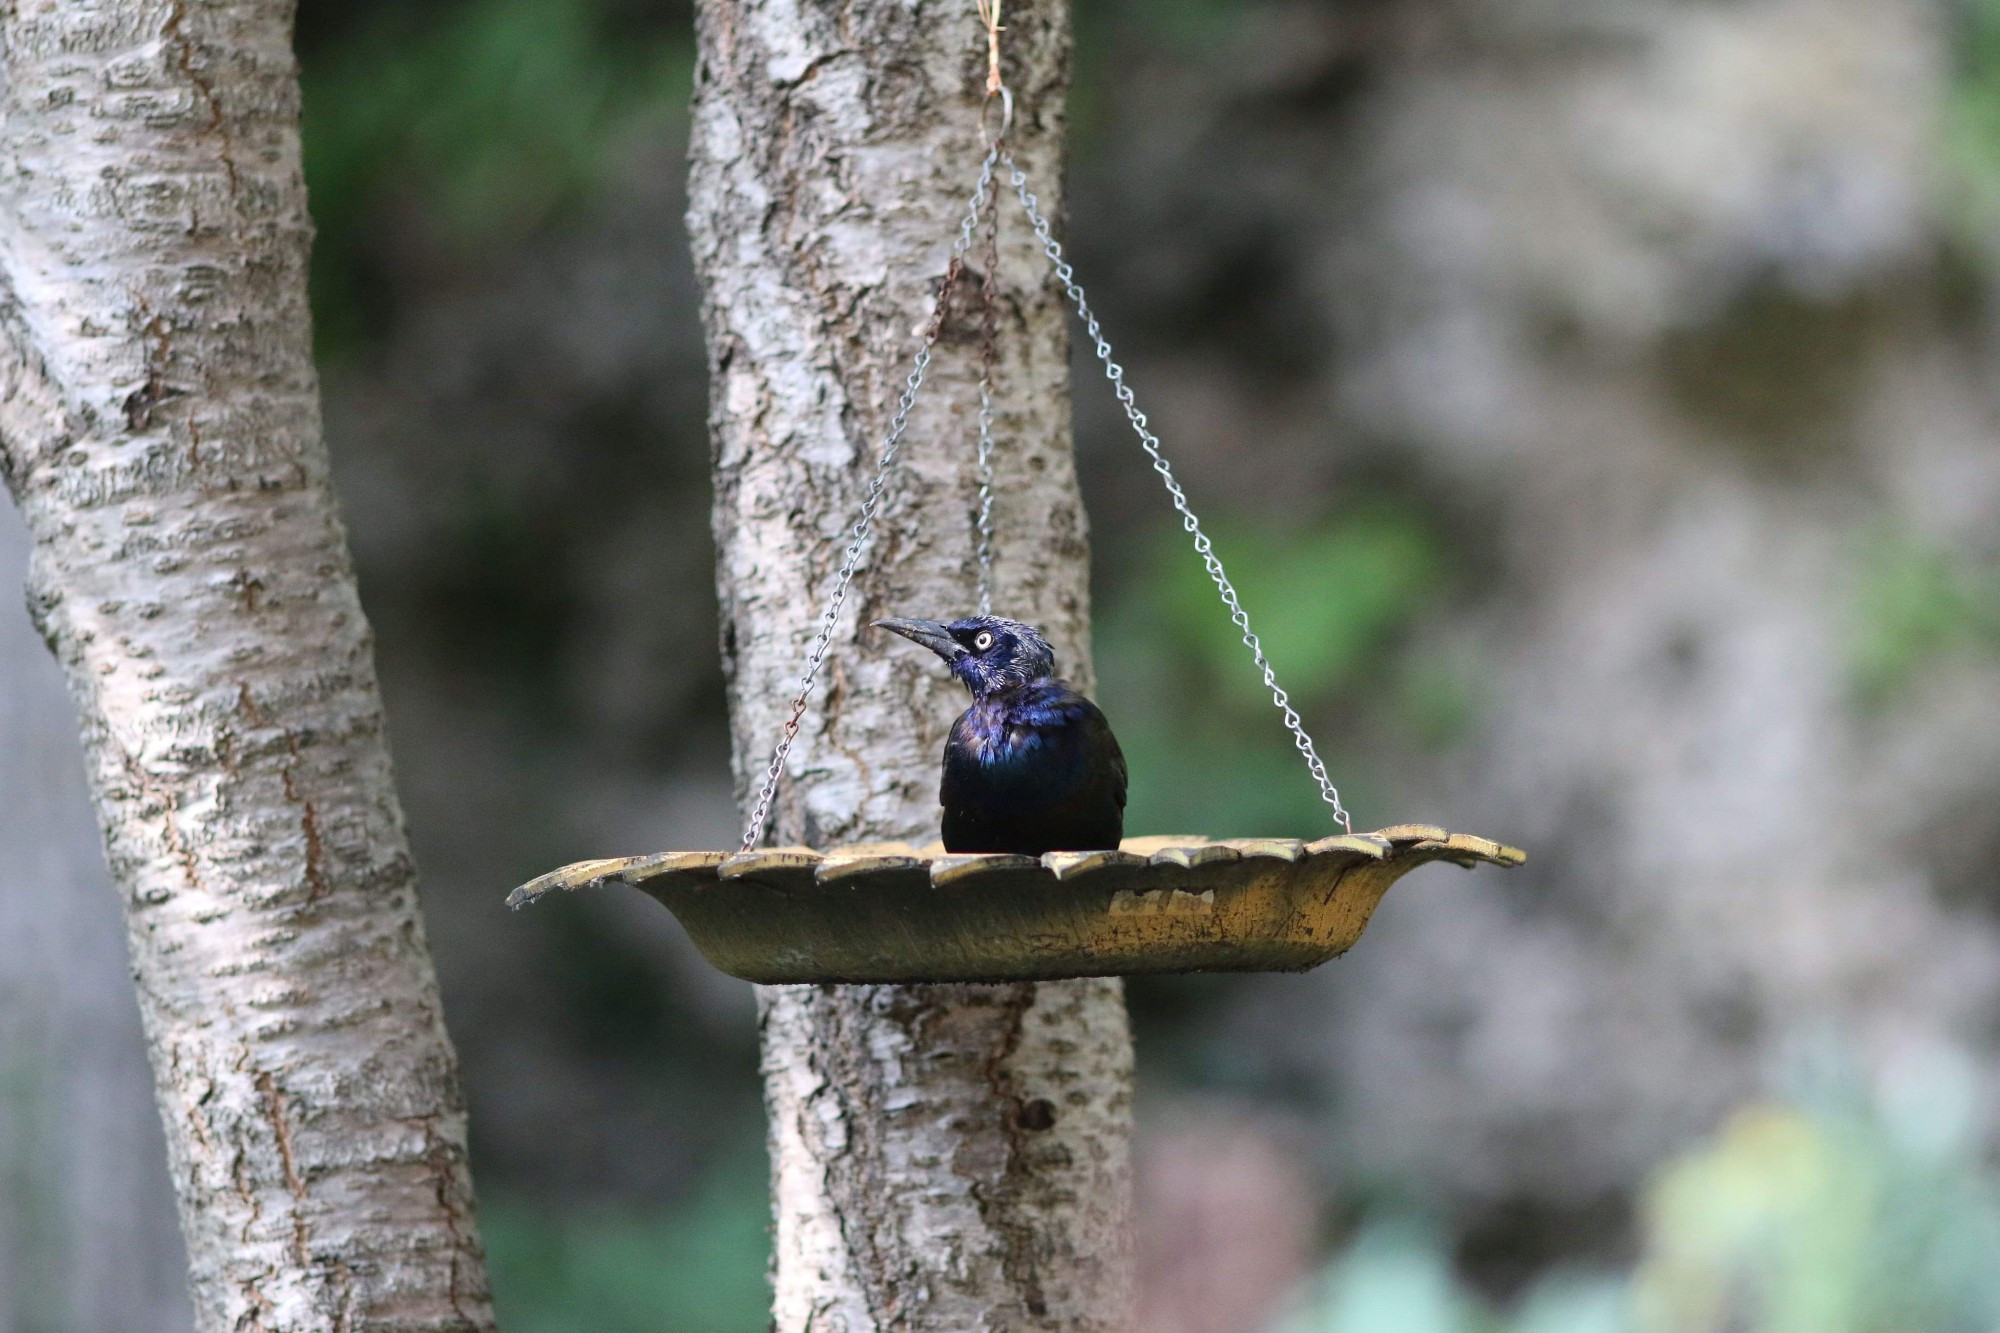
[(1032, 766)]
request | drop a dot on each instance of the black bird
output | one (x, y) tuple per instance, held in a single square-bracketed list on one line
[(1032, 766)]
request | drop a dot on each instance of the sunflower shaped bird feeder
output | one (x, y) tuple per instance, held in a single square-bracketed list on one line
[(891, 912)]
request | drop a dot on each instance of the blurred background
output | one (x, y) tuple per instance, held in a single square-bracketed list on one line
[(1596, 403)]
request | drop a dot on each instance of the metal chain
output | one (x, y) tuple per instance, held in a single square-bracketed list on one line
[(1151, 444), (898, 423), (989, 353), (892, 442)]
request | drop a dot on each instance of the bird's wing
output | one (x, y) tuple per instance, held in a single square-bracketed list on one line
[(960, 768), (1098, 740)]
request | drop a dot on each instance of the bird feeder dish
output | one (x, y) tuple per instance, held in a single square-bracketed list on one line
[(890, 912)]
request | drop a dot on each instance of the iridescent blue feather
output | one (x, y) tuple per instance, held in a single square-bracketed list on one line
[(1032, 766)]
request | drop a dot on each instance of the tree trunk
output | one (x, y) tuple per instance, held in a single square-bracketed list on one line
[(159, 425), (88, 1238), (943, 1157)]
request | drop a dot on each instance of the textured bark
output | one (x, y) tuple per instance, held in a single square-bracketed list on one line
[(945, 1158), (88, 1238), (159, 426)]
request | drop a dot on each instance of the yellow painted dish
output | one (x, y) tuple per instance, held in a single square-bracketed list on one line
[(892, 912)]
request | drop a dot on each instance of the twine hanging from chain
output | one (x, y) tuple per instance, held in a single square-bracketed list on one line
[(999, 155), (989, 14)]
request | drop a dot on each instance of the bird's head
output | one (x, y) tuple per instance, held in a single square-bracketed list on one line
[(989, 654)]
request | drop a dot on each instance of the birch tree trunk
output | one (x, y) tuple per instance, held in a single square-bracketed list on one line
[(943, 1157), (159, 426), (88, 1237)]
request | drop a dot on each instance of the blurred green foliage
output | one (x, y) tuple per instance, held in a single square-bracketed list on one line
[(1398, 1275), (466, 127), (697, 1268), (1837, 1213), (1331, 604), (31, 1188), (1972, 130), (1331, 598), (1193, 26), (1435, 698), (1915, 602), (1190, 28), (1825, 1221)]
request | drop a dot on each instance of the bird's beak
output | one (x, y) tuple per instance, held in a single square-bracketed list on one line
[(929, 633)]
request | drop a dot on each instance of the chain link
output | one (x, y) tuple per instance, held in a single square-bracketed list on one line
[(892, 441), (1151, 444), (984, 520), (989, 355)]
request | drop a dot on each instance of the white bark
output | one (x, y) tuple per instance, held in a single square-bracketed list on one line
[(88, 1238), (945, 1158), (159, 426)]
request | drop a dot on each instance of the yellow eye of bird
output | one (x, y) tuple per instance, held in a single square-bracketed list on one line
[(984, 641)]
